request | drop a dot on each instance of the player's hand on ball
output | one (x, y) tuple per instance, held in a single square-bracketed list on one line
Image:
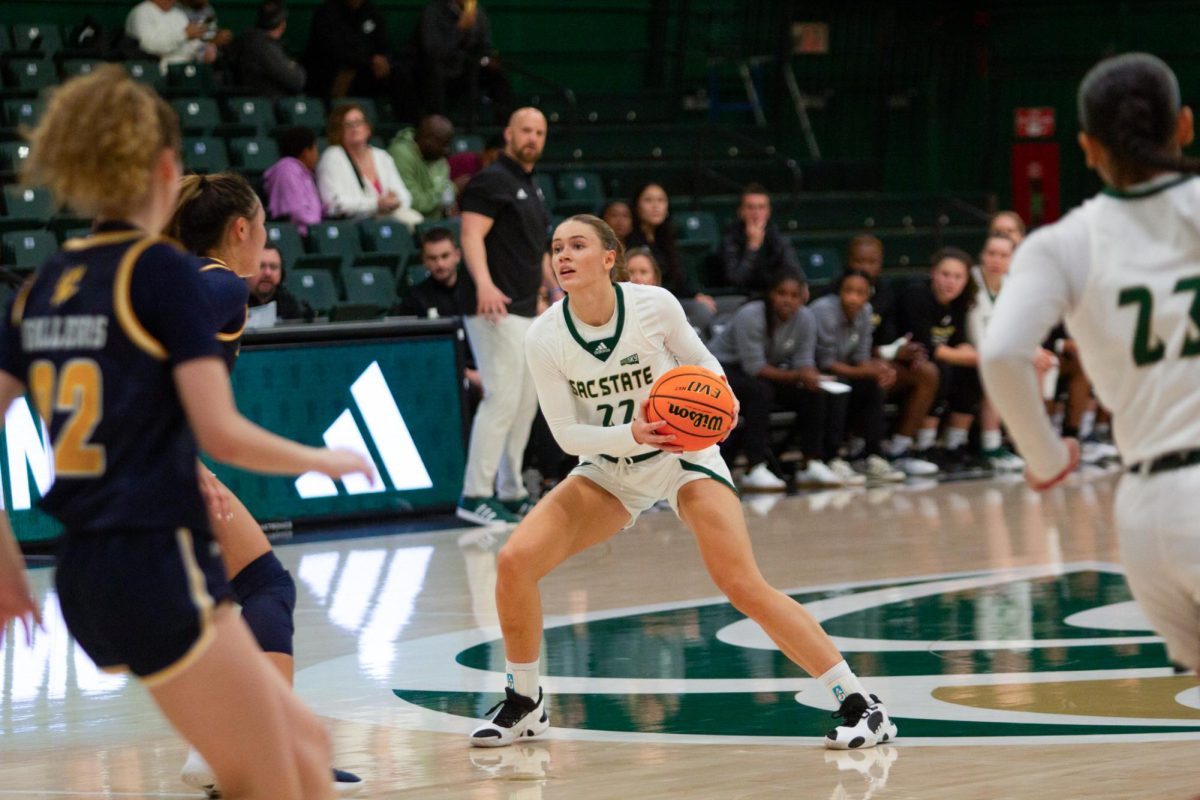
[(1072, 462), (647, 432), (737, 410), (340, 462)]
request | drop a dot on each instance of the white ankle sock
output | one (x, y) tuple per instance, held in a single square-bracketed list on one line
[(841, 681), (900, 444), (523, 678), (956, 437), (991, 440), (925, 438)]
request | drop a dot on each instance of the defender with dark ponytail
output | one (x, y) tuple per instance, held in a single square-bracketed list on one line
[(1123, 270)]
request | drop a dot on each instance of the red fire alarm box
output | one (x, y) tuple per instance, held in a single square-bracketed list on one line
[(1035, 182), (1034, 123)]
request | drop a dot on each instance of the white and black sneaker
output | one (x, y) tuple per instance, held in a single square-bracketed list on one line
[(863, 724), (197, 774), (519, 717)]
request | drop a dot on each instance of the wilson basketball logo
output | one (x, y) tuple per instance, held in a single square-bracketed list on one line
[(698, 419), (695, 404)]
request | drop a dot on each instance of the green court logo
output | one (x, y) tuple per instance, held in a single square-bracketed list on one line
[(980, 657)]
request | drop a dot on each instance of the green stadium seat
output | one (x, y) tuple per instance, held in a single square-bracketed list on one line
[(415, 274), (41, 37), (386, 236), (821, 265), (25, 202), (579, 193), (253, 154), (198, 115), (28, 249), (31, 74), (698, 226), (12, 155), (74, 67), (73, 233), (374, 285), (466, 143), (18, 112), (334, 238), (315, 287), (204, 154), (256, 111), (145, 71), (190, 78), (285, 237), (306, 111)]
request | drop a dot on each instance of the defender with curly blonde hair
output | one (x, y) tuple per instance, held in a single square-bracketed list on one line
[(124, 367)]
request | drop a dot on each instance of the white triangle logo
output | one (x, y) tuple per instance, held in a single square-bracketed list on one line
[(601, 348), (385, 426)]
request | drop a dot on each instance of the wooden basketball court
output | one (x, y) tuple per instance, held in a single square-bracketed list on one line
[(994, 622)]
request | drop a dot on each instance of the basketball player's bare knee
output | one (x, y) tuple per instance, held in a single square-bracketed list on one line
[(513, 567)]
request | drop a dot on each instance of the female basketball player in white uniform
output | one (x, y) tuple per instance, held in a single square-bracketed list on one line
[(1124, 270), (594, 356)]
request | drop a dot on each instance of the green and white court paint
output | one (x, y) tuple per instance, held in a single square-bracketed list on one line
[(1044, 654)]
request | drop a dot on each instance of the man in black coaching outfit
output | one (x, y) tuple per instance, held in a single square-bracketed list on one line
[(504, 228)]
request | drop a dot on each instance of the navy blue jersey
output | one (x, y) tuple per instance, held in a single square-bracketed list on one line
[(227, 296), (95, 335)]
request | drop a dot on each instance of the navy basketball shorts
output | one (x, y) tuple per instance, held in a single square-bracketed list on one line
[(141, 601)]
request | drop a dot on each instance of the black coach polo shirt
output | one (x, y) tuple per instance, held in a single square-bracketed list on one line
[(517, 240)]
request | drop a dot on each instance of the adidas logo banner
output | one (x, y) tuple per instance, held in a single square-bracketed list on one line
[(600, 349), (402, 464)]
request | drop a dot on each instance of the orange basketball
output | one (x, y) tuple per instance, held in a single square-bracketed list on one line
[(696, 405)]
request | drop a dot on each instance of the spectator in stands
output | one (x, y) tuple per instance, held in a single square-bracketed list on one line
[(357, 180), (844, 351), (420, 155), (270, 300), (201, 12), (769, 354), (1007, 223), (438, 293), (652, 228), (464, 166), (455, 56), (618, 216), (263, 66), (640, 267), (162, 29), (289, 184), (348, 54), (935, 311), (754, 249), (917, 378)]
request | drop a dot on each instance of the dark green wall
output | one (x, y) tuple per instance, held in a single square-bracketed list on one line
[(927, 91)]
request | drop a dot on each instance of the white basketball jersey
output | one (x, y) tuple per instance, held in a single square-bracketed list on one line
[(1137, 322), (609, 371)]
